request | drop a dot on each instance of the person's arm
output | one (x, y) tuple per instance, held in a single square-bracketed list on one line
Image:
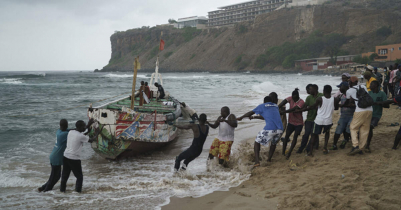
[(336, 103), (96, 135), (290, 110), (185, 127), (283, 103), (216, 123), (88, 127), (248, 114), (314, 106), (232, 121), (257, 117)]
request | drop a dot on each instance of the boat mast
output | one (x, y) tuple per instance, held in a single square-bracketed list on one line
[(134, 82), (157, 60)]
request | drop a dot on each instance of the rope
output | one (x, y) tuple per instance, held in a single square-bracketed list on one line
[(44, 113)]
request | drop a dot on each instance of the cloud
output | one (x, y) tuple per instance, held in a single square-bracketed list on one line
[(75, 34)]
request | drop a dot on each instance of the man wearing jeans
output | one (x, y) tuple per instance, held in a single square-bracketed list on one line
[(310, 118), (361, 120), (345, 119), (72, 154)]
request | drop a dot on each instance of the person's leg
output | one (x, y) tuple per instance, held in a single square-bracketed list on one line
[(77, 171), (305, 137), (290, 130), (326, 140), (225, 151), (298, 130), (271, 152), (190, 159), (65, 174), (180, 157), (316, 143), (391, 90), (54, 177), (369, 138), (312, 143), (364, 129), (43, 187), (256, 149), (385, 85), (214, 149), (397, 139), (354, 128)]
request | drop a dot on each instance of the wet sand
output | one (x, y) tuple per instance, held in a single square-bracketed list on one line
[(333, 181)]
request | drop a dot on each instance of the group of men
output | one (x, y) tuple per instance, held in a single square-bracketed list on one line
[(361, 110), (67, 153), (144, 90)]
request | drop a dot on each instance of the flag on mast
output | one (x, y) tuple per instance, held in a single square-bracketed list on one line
[(161, 45)]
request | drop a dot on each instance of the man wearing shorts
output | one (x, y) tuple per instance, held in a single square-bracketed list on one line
[(273, 129), (221, 146), (324, 119), (345, 119), (295, 120), (378, 97)]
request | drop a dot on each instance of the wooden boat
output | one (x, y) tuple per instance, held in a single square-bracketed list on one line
[(130, 129)]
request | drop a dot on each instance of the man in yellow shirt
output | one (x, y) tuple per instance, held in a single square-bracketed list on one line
[(368, 76)]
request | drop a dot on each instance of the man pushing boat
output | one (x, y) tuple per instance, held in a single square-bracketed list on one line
[(200, 131)]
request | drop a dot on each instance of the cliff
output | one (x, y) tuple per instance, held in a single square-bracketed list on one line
[(237, 48)]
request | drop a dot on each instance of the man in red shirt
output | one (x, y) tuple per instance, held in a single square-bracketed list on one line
[(295, 120)]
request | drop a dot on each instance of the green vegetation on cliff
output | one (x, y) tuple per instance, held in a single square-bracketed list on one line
[(313, 46)]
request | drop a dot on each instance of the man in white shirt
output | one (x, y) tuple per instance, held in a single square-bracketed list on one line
[(361, 120), (72, 159)]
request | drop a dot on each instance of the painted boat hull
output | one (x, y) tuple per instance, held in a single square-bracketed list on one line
[(126, 133)]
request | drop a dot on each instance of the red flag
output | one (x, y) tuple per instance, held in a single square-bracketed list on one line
[(161, 45)]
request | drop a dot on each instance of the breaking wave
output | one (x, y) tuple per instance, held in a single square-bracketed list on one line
[(124, 76), (14, 81)]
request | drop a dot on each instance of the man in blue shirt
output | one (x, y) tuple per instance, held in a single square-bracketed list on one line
[(272, 130), (56, 157)]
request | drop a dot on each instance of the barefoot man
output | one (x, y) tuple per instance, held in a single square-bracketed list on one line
[(273, 129), (221, 146)]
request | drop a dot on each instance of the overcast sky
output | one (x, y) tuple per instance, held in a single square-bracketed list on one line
[(75, 34)]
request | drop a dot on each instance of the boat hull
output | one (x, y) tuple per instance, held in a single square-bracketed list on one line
[(128, 133)]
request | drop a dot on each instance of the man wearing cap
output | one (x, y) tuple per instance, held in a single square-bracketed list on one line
[(361, 119), (344, 78), (368, 76), (343, 125)]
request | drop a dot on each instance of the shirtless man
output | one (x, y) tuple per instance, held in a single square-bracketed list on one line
[(221, 146), (200, 133)]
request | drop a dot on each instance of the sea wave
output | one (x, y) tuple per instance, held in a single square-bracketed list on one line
[(265, 87), (26, 75), (124, 76), (14, 81)]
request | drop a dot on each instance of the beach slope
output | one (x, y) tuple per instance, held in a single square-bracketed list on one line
[(333, 181)]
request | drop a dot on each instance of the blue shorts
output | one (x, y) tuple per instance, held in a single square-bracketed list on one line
[(317, 129), (343, 125)]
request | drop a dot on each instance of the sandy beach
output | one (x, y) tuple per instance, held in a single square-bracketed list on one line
[(333, 181)]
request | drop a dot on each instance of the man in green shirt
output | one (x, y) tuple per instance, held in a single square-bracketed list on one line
[(378, 97), (310, 118)]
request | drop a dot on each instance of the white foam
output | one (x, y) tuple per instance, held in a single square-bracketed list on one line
[(14, 81), (265, 87), (123, 76)]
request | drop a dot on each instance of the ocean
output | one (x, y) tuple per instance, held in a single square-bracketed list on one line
[(32, 104)]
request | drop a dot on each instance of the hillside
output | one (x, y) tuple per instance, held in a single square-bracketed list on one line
[(246, 45)]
